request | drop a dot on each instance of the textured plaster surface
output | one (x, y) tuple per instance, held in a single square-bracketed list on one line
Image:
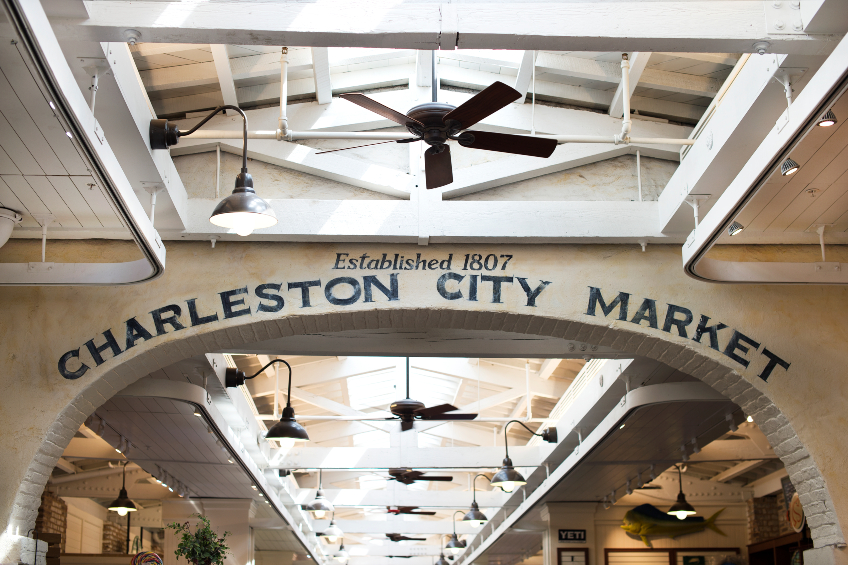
[(778, 253), (800, 410)]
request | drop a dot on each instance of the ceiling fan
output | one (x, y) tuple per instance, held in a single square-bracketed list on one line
[(408, 410), (411, 510), (409, 476), (401, 537), (435, 123)]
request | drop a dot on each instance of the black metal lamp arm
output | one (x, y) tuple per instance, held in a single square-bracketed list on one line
[(506, 447), (454, 522), (474, 485), (262, 370), (164, 134)]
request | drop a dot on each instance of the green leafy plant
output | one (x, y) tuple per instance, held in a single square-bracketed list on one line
[(203, 547)]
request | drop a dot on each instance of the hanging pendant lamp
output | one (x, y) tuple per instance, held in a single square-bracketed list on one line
[(455, 545), (320, 506), (681, 508), (507, 479), (474, 516), (287, 427), (342, 556), (332, 533), (243, 211), (123, 504)]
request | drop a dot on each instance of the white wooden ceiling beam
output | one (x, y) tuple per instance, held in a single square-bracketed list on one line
[(401, 497), (462, 433), (489, 374), (735, 471), (423, 68), (548, 368), (698, 26), (302, 158), (225, 76), (321, 75), (388, 458), (525, 73), (638, 61), (401, 526)]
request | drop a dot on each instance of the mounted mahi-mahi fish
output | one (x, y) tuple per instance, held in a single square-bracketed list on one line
[(647, 520)]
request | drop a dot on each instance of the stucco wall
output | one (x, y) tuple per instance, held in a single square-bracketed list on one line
[(40, 410)]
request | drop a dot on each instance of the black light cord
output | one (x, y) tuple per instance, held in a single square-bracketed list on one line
[(679, 477), (262, 370), (474, 485), (210, 116), (506, 447)]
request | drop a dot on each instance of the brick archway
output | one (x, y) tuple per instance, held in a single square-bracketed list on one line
[(802, 469)]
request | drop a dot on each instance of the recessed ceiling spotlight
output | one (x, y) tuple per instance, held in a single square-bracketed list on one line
[(198, 413), (789, 167), (735, 228), (828, 119)]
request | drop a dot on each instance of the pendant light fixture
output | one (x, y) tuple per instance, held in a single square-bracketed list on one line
[(332, 533), (442, 560), (287, 427), (474, 516), (681, 508), (242, 211), (320, 506), (455, 545), (507, 479), (123, 504), (342, 556)]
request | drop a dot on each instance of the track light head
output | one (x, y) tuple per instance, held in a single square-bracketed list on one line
[(789, 167), (827, 119), (735, 228)]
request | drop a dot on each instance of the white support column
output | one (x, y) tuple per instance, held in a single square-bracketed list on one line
[(321, 74), (525, 73), (638, 61), (423, 68), (225, 75)]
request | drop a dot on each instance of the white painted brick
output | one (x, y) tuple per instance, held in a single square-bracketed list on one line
[(768, 426), (783, 434)]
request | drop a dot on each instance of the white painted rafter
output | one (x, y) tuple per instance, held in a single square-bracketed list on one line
[(321, 75), (525, 73), (225, 76)]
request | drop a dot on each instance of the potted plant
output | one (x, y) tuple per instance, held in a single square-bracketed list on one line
[(203, 547)]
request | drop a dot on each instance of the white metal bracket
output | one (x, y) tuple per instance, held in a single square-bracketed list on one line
[(694, 200), (787, 76)]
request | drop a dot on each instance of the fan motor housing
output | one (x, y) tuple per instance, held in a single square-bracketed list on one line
[(435, 132), (406, 408)]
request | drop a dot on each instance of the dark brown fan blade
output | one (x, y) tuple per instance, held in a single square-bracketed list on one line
[(507, 143), (435, 410), (434, 478), (405, 426), (366, 145), (437, 167), (371, 104), (454, 417), (483, 104)]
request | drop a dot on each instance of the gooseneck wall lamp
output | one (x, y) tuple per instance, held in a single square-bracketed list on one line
[(320, 506), (508, 478), (681, 508), (242, 211), (455, 545), (287, 427), (474, 516), (123, 504)]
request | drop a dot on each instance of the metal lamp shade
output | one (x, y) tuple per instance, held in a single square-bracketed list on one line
[(681, 508), (123, 504), (454, 545), (320, 505), (508, 478), (442, 560), (287, 428), (332, 533), (243, 211), (788, 167), (341, 555), (735, 228), (474, 516)]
